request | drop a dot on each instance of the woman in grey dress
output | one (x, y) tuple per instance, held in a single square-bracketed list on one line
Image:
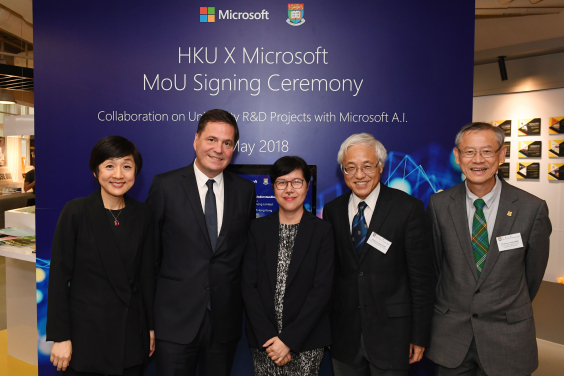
[(287, 279)]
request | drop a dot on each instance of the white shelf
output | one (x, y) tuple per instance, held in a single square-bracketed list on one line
[(24, 253)]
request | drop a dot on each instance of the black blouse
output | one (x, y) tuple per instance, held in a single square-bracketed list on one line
[(134, 352)]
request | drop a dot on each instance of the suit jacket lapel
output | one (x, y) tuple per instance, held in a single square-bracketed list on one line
[(381, 211), (111, 258), (191, 189), (301, 244), (228, 204), (271, 248), (502, 226), (459, 218), (133, 231), (344, 227)]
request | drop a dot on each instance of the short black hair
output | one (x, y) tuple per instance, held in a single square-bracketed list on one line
[(285, 165), (114, 147), (218, 116)]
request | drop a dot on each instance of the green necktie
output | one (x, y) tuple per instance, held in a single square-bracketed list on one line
[(480, 243)]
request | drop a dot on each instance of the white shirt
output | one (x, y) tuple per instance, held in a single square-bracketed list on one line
[(490, 209), (368, 210), (201, 180)]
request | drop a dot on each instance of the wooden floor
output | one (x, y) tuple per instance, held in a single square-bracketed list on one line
[(10, 366)]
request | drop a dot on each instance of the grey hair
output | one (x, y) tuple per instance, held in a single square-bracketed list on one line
[(364, 139), (498, 132)]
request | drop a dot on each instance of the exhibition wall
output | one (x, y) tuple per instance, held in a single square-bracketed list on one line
[(544, 105), (147, 71)]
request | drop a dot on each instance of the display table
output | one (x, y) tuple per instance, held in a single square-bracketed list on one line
[(21, 307), (13, 201)]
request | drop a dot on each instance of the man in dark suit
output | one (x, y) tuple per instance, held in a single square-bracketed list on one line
[(491, 245), (202, 214), (383, 290)]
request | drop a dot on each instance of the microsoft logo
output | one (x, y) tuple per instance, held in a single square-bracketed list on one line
[(207, 14)]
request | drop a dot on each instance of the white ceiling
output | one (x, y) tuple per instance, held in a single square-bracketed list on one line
[(518, 37)]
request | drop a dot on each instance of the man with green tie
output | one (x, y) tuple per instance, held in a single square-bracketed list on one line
[(491, 243)]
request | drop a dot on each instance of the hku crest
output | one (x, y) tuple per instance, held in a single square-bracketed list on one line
[(265, 181), (295, 14)]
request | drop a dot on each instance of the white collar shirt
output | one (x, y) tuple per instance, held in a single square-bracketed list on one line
[(218, 189), (370, 205), (490, 209)]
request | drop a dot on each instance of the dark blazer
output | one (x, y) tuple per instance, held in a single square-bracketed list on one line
[(189, 273), (493, 309), (386, 297), (92, 310), (305, 316)]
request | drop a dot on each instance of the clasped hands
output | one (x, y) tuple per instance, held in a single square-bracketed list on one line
[(278, 352)]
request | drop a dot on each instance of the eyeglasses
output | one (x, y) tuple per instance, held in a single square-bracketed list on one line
[(366, 169), (485, 153), (282, 184)]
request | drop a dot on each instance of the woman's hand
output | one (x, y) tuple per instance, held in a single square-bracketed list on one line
[(285, 360), (61, 354), (277, 351), (151, 342)]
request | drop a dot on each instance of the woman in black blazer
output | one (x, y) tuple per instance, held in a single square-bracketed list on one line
[(287, 279), (101, 280)]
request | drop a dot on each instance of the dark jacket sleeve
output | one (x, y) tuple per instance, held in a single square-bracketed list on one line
[(147, 272), (436, 243), (60, 274), (536, 258), (317, 301), (263, 328), (253, 204), (421, 276), (156, 202)]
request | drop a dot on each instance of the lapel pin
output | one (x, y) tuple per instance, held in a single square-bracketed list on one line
[(509, 213)]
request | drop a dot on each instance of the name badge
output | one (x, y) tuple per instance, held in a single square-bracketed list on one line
[(379, 242), (507, 242)]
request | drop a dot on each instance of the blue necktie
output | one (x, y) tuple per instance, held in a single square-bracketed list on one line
[(359, 228), (211, 214)]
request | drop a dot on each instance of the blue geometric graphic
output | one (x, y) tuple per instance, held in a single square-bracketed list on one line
[(406, 172)]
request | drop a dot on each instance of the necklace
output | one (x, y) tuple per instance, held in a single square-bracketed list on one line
[(116, 222)]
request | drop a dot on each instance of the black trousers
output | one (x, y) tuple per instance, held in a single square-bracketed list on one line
[(133, 371), (362, 366), (212, 357)]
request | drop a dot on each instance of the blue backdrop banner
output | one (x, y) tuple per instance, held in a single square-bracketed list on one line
[(298, 77)]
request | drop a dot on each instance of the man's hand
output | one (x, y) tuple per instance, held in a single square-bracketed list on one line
[(151, 342), (61, 354), (277, 351), (415, 353)]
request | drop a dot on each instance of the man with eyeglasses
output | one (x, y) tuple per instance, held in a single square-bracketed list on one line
[(491, 244), (383, 289)]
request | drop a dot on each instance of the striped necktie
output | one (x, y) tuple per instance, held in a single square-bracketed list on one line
[(480, 242), (359, 228)]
